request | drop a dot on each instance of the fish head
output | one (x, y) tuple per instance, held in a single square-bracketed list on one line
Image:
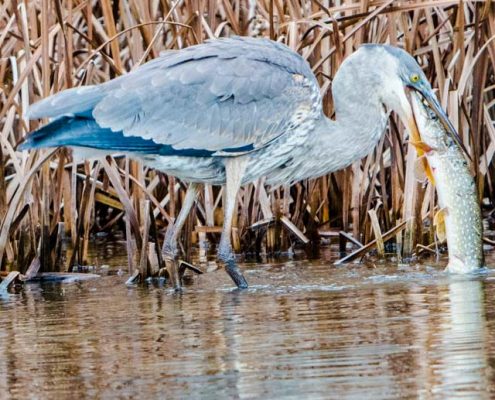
[(421, 89)]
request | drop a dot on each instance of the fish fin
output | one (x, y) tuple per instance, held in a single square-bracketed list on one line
[(429, 172), (439, 223), (422, 170), (422, 146)]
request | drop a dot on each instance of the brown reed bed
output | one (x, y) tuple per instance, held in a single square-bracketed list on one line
[(50, 45)]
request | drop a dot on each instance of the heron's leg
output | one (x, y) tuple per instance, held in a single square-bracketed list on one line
[(170, 248), (234, 170)]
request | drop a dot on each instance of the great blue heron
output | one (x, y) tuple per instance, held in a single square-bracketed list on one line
[(229, 111)]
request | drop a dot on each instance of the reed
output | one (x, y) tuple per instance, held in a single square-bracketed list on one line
[(50, 45)]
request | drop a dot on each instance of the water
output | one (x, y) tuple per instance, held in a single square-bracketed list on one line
[(303, 330)]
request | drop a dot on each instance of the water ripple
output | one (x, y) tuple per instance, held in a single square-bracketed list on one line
[(301, 330)]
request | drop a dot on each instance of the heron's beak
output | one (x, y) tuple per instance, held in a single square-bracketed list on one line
[(432, 101)]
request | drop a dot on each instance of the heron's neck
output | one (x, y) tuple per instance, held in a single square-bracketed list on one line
[(356, 130), (360, 117), (334, 145)]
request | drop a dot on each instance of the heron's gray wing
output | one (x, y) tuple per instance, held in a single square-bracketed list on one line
[(225, 95), (213, 97), (80, 101)]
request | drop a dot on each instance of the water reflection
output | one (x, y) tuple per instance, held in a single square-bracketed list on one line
[(350, 333), (460, 359)]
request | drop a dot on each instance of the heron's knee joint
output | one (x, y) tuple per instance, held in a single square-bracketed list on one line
[(170, 250), (225, 254)]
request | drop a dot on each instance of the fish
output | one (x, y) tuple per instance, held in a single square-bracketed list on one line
[(458, 219)]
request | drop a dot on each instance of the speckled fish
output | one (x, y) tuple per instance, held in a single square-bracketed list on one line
[(459, 217)]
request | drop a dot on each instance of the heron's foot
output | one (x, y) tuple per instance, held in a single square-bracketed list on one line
[(227, 257), (173, 265), (235, 273), (177, 268)]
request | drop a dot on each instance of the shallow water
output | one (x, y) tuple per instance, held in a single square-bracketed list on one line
[(303, 330)]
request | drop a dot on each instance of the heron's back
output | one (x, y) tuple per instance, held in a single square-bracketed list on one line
[(223, 98)]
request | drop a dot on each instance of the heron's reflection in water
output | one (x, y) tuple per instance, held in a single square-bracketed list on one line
[(461, 358)]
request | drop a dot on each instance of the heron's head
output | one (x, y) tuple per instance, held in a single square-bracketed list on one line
[(392, 74)]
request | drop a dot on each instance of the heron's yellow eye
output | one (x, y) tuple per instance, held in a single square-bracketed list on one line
[(414, 78)]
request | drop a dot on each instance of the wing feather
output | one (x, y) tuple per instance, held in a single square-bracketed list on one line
[(224, 94)]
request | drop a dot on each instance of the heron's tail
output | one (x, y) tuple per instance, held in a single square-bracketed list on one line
[(85, 132), (76, 101)]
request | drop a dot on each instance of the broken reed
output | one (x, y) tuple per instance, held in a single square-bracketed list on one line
[(50, 45)]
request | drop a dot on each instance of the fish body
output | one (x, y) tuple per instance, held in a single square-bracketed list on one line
[(456, 191)]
